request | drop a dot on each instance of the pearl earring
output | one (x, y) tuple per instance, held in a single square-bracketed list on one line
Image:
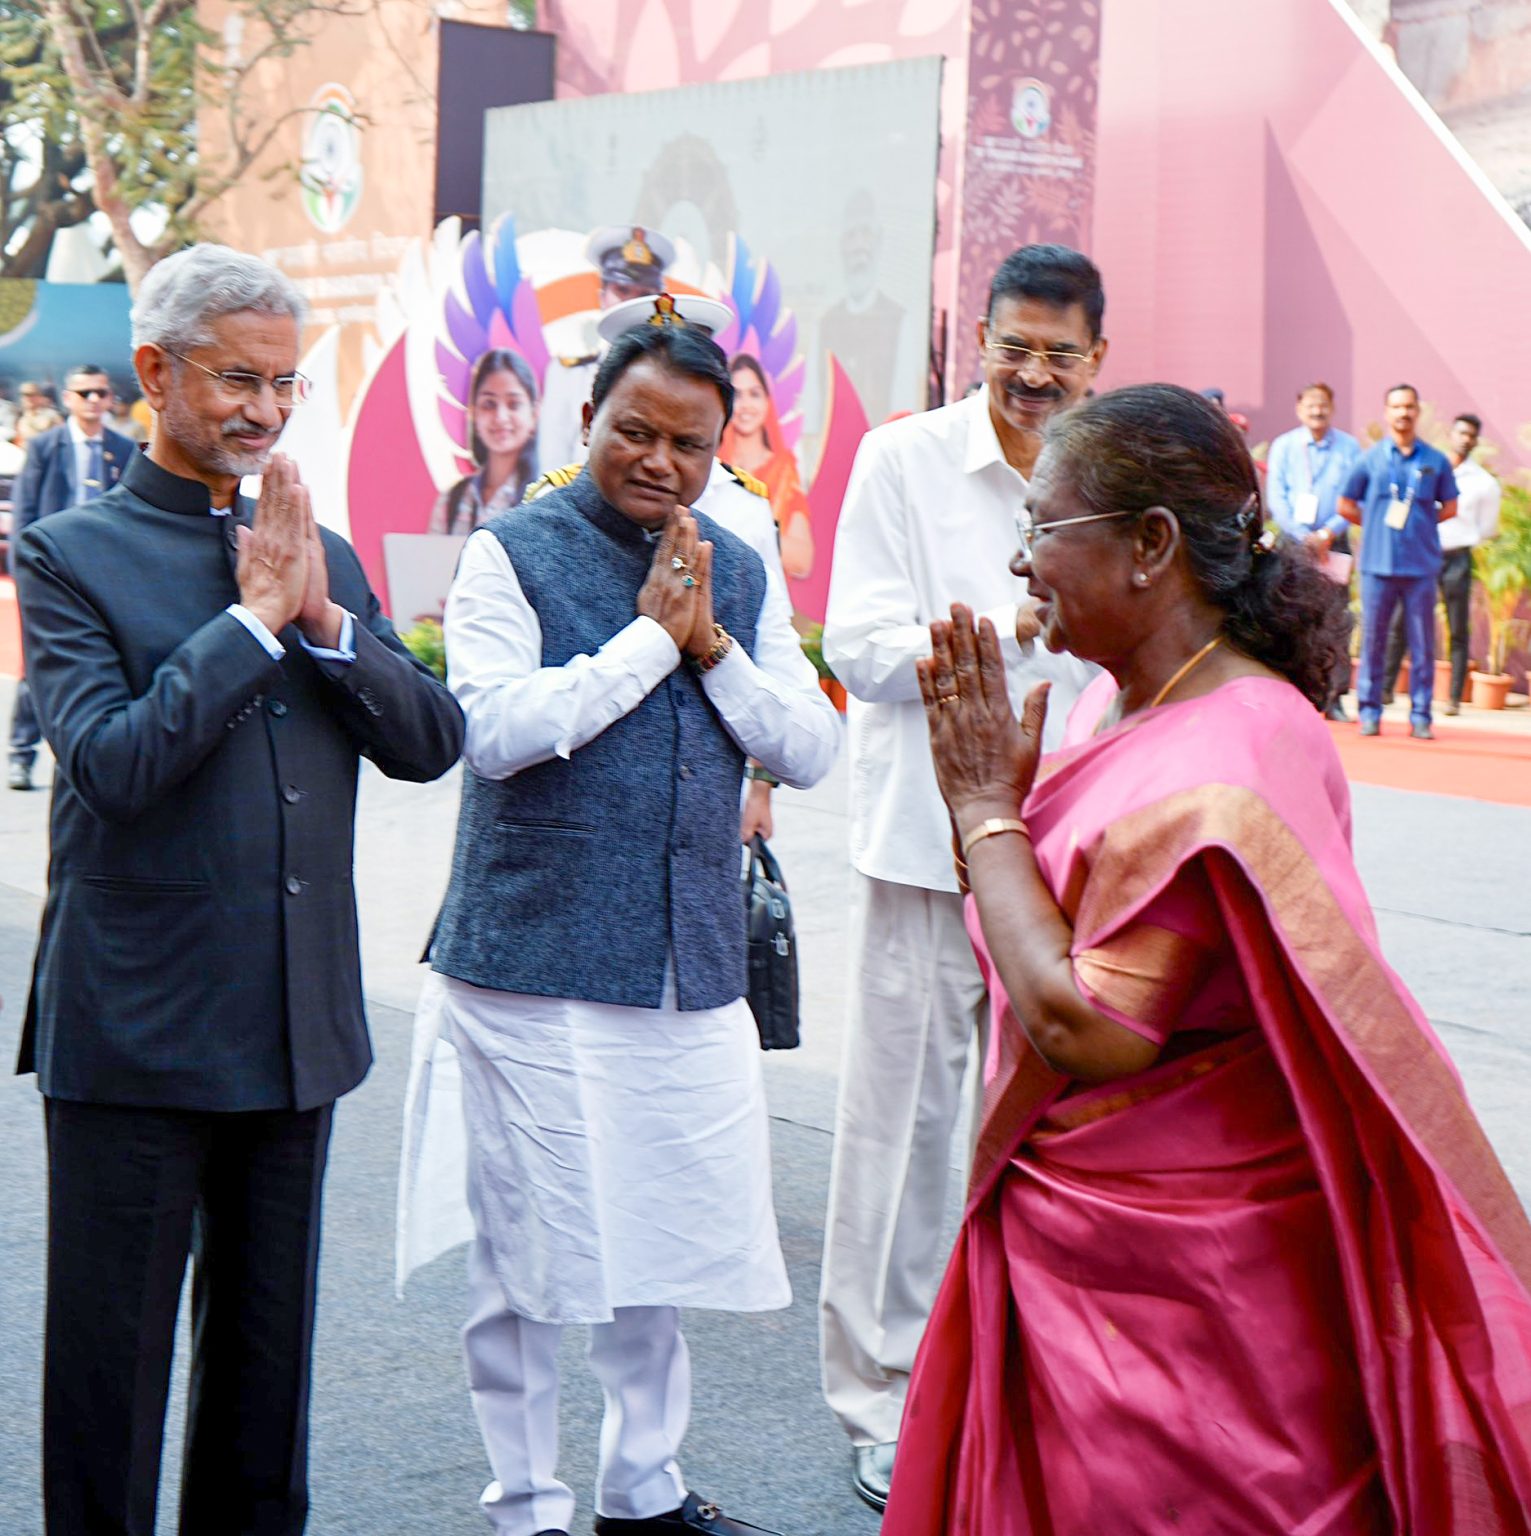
[(1142, 578)]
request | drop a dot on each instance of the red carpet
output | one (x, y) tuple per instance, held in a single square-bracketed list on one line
[(10, 630), (1473, 764)]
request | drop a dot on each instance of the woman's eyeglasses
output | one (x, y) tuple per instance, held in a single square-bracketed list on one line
[(240, 388), (1027, 532)]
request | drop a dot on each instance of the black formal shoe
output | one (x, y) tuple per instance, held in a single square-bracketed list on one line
[(1371, 727), (696, 1514), (1387, 695), (872, 1472), (1336, 711), (1453, 708), (551, 1532), (1421, 732), (20, 776)]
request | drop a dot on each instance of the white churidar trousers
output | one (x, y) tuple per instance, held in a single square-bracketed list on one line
[(639, 1358), (917, 1008)]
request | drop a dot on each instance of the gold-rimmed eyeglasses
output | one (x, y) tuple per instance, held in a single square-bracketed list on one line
[(241, 388), (1027, 531), (1058, 360)]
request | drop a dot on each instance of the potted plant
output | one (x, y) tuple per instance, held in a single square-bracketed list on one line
[(813, 649), (1442, 656), (1503, 569), (425, 642)]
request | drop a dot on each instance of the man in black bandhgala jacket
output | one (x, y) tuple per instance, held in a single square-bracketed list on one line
[(207, 673)]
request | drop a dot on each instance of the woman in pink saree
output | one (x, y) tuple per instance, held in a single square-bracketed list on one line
[(1238, 1258)]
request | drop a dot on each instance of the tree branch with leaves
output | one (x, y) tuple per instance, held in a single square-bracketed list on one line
[(127, 80)]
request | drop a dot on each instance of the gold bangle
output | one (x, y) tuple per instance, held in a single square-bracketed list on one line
[(990, 828)]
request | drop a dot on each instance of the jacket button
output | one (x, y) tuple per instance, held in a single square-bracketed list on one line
[(685, 770), (277, 708), (293, 884), (291, 794)]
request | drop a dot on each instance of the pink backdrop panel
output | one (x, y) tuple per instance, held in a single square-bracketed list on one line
[(1277, 208), (389, 488), (847, 426)]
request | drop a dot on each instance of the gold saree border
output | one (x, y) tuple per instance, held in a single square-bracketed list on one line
[(1143, 971), (1078, 1111), (1350, 981)]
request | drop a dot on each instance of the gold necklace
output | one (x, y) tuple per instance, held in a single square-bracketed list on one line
[(1186, 670)]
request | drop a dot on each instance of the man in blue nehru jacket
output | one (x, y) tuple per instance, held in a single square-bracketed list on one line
[(618, 658), (1399, 493)]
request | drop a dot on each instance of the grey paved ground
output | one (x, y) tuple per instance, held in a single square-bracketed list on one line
[(394, 1447)]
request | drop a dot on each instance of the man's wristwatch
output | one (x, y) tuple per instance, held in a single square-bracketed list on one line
[(722, 644), (761, 775)]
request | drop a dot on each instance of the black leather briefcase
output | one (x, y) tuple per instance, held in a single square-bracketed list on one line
[(772, 950)]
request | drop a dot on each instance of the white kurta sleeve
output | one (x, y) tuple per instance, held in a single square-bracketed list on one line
[(872, 635), (772, 704), (518, 711)]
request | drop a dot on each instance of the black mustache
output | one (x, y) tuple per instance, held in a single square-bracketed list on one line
[(1025, 392)]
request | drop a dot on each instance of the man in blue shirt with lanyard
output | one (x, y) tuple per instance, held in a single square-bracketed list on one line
[(1307, 469), (1398, 494)]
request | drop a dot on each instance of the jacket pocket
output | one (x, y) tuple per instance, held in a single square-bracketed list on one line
[(567, 828), (147, 885)]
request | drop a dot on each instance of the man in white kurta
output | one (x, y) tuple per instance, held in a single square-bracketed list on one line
[(738, 501), (618, 1157), (929, 519)]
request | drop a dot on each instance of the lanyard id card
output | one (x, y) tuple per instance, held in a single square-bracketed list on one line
[(1398, 509), (1305, 508)]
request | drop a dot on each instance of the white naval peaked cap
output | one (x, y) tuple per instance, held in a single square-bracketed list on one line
[(693, 310), (629, 253)]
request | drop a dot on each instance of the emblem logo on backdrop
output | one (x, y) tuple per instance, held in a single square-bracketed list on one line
[(331, 171), (1031, 111)]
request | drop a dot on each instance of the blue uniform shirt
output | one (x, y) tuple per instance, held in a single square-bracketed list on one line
[(1424, 479), (1298, 466)]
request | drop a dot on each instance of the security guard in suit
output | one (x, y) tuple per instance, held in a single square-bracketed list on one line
[(66, 466)]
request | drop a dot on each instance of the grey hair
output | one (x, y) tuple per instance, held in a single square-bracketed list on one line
[(182, 293)]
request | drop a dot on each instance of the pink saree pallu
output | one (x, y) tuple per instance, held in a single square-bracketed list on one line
[(1279, 1282)]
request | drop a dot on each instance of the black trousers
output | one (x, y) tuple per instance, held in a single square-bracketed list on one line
[(130, 1192), (25, 731), (1456, 583)]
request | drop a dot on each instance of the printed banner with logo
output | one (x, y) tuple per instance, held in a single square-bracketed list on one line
[(1029, 170)]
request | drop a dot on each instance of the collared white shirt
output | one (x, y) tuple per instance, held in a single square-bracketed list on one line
[(748, 516), (1477, 518), (928, 520), (82, 442), (520, 712)]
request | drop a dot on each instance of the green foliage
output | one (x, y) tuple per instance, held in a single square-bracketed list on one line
[(42, 162), (425, 641), (103, 97), (1503, 569), (813, 649)]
